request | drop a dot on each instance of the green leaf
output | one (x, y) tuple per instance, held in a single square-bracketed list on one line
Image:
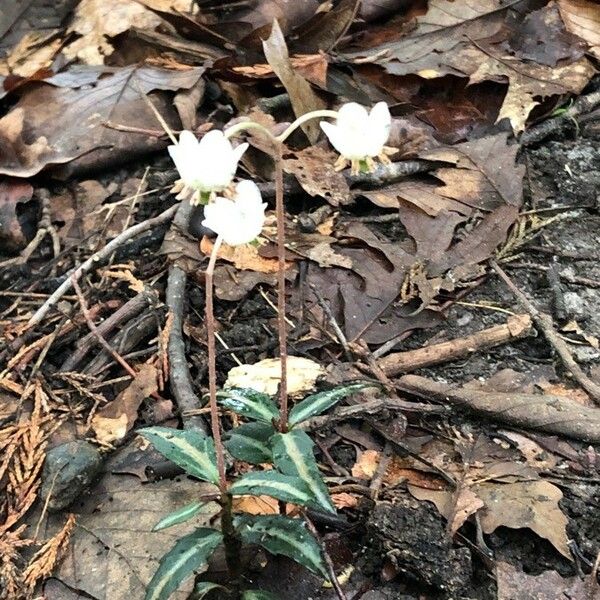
[(271, 483), (283, 535), (319, 403), (186, 557), (293, 455), (249, 442), (189, 449), (205, 587), (258, 595), (181, 515), (249, 403)]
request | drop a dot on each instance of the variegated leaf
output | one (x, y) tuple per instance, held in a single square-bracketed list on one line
[(204, 587), (250, 442), (181, 515), (258, 595), (189, 449), (283, 535), (271, 483), (319, 403), (249, 403), (187, 557), (293, 455)]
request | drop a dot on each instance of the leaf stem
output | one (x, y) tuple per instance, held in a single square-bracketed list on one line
[(281, 324), (212, 366), (245, 125)]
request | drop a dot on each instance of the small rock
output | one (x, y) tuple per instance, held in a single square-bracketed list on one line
[(68, 471), (575, 306)]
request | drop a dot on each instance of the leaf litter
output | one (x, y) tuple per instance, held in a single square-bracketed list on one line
[(459, 78)]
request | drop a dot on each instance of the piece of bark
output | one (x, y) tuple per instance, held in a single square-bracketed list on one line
[(548, 413), (517, 326)]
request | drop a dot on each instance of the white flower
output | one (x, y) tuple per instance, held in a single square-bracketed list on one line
[(240, 220), (359, 136), (207, 165)]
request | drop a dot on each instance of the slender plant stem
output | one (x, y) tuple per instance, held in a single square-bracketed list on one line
[(281, 324), (245, 125), (212, 366)]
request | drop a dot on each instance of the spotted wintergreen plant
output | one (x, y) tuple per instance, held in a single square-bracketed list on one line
[(293, 477)]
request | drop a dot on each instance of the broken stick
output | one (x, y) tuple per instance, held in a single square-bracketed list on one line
[(548, 413), (545, 323), (517, 326)]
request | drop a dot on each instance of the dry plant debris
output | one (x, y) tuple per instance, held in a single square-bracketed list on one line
[(373, 261)]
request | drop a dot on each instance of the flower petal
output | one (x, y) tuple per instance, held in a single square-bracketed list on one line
[(380, 124), (239, 221)]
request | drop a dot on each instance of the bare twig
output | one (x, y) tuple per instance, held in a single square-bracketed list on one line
[(552, 414), (212, 366), (179, 374), (384, 461), (330, 567), (332, 321), (583, 104), (544, 322), (130, 309), (97, 258), (403, 362), (94, 330), (281, 324)]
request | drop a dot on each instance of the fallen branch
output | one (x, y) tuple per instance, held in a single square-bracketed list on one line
[(386, 174), (130, 309), (97, 258), (180, 379), (548, 413), (581, 106), (369, 408), (545, 323), (516, 327)]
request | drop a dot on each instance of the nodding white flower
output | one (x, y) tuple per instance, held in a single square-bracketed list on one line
[(360, 136), (239, 220), (208, 165)]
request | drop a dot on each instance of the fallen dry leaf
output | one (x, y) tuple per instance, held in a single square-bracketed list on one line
[(582, 17), (531, 504), (35, 51), (97, 20), (244, 257), (12, 193), (264, 376), (366, 465), (256, 505), (302, 96), (73, 122), (344, 500), (112, 422), (114, 552), (549, 585), (471, 41)]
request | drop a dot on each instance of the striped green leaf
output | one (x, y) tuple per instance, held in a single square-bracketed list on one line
[(319, 403), (250, 442), (249, 403), (205, 587), (293, 455), (189, 449), (283, 535), (258, 595), (187, 557), (181, 515), (271, 483)]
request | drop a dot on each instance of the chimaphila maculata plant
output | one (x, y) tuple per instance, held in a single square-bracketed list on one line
[(272, 434)]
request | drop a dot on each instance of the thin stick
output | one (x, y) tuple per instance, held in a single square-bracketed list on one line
[(330, 567), (96, 258), (212, 365), (546, 324), (281, 324), (94, 329)]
